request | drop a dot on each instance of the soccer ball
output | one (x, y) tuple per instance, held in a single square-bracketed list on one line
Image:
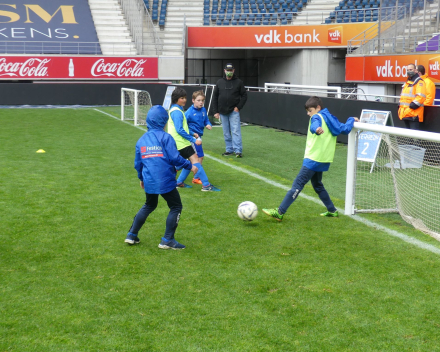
[(247, 211)]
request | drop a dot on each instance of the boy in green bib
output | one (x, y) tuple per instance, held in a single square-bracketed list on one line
[(185, 142), (320, 150)]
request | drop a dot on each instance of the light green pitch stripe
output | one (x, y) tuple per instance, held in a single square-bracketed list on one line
[(371, 224), (390, 232)]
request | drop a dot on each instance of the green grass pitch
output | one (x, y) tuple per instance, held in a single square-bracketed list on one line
[(68, 282)]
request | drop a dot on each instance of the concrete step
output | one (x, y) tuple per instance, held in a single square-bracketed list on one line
[(172, 41), (113, 30), (110, 39), (110, 23), (105, 11), (108, 16), (113, 2)]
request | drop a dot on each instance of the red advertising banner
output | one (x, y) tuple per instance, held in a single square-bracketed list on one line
[(390, 68), (323, 35), (78, 67)]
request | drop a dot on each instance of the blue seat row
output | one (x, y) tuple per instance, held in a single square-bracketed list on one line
[(231, 11)]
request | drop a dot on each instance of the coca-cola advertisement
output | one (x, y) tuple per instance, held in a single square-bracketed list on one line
[(78, 67)]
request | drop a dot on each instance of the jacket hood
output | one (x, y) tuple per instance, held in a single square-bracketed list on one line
[(157, 117)]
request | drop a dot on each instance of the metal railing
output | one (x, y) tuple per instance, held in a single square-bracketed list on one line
[(399, 32), (149, 26), (133, 10), (295, 88), (184, 35), (390, 22), (48, 47)]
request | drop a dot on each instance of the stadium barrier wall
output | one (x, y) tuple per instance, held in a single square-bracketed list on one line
[(277, 110)]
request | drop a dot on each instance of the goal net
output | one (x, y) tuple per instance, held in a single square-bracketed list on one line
[(135, 105), (403, 178)]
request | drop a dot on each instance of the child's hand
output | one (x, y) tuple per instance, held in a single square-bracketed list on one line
[(194, 169), (208, 127), (196, 135), (199, 141), (356, 119), (319, 130), (142, 184)]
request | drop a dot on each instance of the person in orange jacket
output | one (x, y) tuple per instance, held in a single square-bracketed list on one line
[(412, 99), (430, 86)]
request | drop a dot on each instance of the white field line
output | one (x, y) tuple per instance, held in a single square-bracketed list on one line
[(369, 223)]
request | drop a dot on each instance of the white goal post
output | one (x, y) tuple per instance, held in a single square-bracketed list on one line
[(404, 177), (135, 105)]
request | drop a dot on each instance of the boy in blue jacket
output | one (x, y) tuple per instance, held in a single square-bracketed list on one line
[(320, 151), (155, 161), (197, 119)]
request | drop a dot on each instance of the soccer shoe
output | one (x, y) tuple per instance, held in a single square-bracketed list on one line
[(172, 244), (183, 185), (132, 239), (238, 155), (197, 181), (330, 215), (274, 213), (210, 188), (228, 153)]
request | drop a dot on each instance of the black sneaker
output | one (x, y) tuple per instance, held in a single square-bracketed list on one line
[(238, 155), (132, 239), (227, 153)]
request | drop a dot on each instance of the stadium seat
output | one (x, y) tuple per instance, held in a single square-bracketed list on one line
[(206, 22), (273, 22), (257, 22)]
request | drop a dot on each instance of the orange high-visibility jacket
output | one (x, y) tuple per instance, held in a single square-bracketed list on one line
[(430, 90), (412, 92)]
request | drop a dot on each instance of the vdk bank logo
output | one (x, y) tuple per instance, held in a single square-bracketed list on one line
[(335, 35), (434, 67)]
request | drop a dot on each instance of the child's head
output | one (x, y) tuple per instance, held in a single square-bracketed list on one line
[(198, 99), (313, 105), (178, 96)]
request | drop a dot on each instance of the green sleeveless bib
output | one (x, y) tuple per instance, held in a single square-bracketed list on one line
[(180, 141), (320, 148)]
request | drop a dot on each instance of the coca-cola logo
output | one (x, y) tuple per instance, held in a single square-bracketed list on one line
[(127, 68), (32, 67)]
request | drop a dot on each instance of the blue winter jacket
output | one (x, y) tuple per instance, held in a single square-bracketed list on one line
[(197, 120), (336, 128), (157, 155)]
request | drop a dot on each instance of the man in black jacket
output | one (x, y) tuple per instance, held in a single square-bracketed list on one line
[(228, 99)]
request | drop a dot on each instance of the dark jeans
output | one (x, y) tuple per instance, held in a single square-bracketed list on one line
[(412, 125), (174, 203), (305, 175)]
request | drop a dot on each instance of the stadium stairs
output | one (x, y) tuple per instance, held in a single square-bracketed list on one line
[(317, 11), (112, 30), (170, 28)]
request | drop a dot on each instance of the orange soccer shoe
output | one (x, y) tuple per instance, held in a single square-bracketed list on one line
[(197, 181)]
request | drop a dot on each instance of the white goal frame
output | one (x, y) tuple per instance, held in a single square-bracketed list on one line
[(350, 191), (138, 120)]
